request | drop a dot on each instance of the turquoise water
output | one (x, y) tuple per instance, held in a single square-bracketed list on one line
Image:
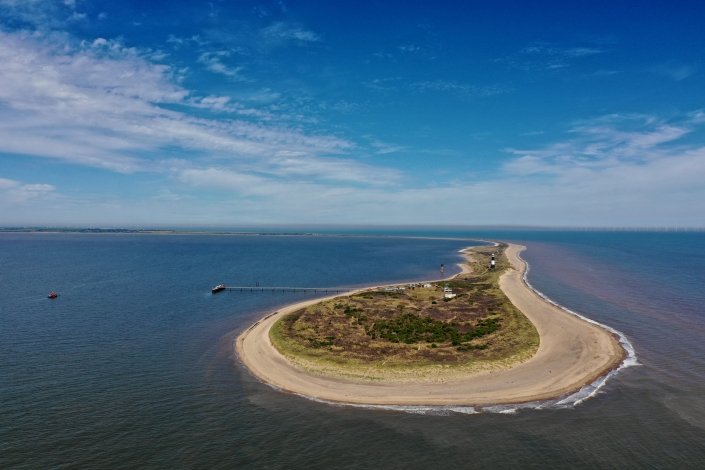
[(132, 366)]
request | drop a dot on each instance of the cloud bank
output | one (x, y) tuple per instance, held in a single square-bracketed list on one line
[(125, 111)]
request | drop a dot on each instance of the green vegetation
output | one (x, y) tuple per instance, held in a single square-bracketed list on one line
[(411, 329)]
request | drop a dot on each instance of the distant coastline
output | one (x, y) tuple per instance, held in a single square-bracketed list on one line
[(254, 233), (143, 231), (572, 353), (403, 231)]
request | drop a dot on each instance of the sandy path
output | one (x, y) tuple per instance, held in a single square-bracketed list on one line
[(572, 353)]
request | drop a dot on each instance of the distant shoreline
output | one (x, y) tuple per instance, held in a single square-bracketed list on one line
[(145, 231), (572, 353), (344, 230), (88, 231)]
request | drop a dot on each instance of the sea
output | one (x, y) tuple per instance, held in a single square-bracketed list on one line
[(132, 366)]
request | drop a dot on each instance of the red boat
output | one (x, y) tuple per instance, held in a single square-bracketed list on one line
[(52, 295)]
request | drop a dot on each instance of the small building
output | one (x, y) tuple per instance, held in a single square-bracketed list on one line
[(449, 295), (427, 285)]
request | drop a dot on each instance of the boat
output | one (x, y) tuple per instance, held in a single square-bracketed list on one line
[(218, 288), (52, 295)]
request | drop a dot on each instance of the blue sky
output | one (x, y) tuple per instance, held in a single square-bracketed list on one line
[(225, 113)]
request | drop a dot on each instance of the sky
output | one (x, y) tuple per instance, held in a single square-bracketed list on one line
[(227, 113)]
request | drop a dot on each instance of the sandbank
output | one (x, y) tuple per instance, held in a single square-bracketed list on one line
[(572, 353)]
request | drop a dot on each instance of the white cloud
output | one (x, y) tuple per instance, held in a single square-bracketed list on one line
[(633, 172), (77, 17), (617, 169), (409, 48), (697, 116), (213, 62), (6, 183), (103, 104), (77, 106), (16, 192), (383, 148), (178, 42), (216, 102), (462, 89), (546, 49), (222, 178), (331, 170), (225, 104), (384, 84), (546, 56), (674, 72), (288, 173), (282, 32), (606, 139), (581, 51), (42, 14)]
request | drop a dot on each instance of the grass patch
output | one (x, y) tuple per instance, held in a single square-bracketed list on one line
[(411, 328)]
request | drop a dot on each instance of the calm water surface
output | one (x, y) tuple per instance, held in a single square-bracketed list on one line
[(132, 366)]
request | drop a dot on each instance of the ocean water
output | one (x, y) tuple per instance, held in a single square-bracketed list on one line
[(132, 366)]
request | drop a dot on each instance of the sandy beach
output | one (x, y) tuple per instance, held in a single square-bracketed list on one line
[(572, 353)]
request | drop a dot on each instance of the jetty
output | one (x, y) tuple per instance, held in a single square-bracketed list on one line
[(315, 290)]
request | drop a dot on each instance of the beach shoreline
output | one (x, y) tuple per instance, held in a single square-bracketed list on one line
[(572, 353)]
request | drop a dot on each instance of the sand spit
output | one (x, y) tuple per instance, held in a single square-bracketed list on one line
[(572, 353)]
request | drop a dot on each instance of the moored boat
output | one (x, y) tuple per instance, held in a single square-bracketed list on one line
[(218, 288)]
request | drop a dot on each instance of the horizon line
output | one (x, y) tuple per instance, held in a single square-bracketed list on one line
[(253, 228)]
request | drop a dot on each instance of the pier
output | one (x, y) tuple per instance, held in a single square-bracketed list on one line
[(315, 290)]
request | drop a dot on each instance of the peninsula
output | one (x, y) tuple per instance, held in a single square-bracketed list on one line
[(482, 337)]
